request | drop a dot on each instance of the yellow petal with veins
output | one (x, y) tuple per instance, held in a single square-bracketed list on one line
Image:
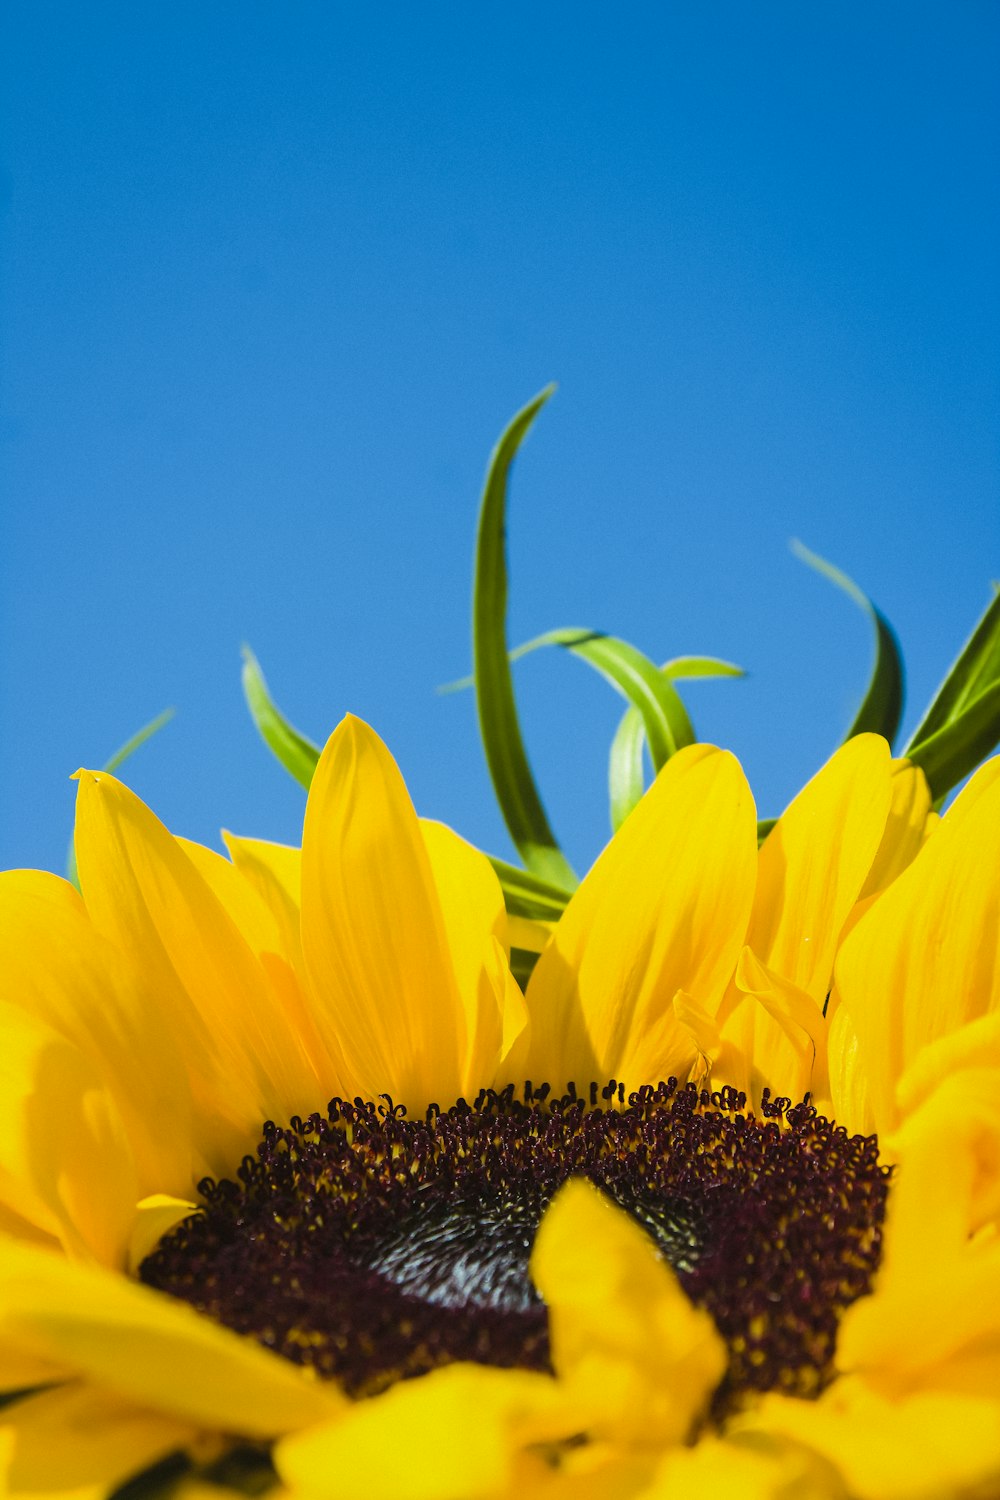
[(911, 814), (376, 945), (85, 990), (193, 965), (925, 958), (65, 1160), (815, 861), (274, 871), (664, 908)]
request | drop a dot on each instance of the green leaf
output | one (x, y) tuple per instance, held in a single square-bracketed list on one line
[(882, 706), (959, 745), (119, 758), (976, 670), (297, 754), (522, 965), (680, 666), (626, 779), (525, 895), (638, 679), (700, 666), (764, 828), (506, 757)]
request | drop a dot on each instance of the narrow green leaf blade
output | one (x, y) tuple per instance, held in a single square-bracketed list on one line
[(638, 679), (882, 706), (297, 754), (957, 748), (700, 666), (129, 748), (506, 757), (626, 782), (976, 670), (111, 765)]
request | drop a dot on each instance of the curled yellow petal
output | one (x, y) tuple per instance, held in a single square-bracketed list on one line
[(626, 1342)]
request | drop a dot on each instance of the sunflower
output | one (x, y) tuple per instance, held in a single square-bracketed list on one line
[(293, 1173)]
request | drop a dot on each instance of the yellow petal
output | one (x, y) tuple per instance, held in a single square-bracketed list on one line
[(150, 1349), (475, 920), (910, 816), (450, 1435), (925, 958), (54, 964), (625, 1339), (83, 1442), (815, 861), (778, 1032), (664, 908), (527, 934), (65, 1161), (155, 1216), (754, 1469), (928, 1447), (256, 892), (375, 943), (247, 1064), (850, 1093), (257, 922), (274, 871)]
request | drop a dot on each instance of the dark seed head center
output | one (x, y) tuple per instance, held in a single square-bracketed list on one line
[(373, 1247)]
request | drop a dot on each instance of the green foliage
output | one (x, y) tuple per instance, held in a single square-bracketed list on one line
[(297, 754), (506, 757), (882, 706), (119, 758), (962, 725)]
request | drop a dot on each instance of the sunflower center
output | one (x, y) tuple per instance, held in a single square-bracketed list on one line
[(372, 1246)]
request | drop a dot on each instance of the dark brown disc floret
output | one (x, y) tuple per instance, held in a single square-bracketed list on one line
[(373, 1247)]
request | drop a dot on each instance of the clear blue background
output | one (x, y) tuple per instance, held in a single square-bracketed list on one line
[(275, 276)]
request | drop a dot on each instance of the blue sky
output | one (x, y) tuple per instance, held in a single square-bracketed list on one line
[(275, 277)]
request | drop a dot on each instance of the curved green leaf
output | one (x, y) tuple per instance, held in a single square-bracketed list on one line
[(111, 765), (957, 748), (297, 754), (626, 779), (975, 671), (700, 666), (506, 757), (638, 679), (882, 706)]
